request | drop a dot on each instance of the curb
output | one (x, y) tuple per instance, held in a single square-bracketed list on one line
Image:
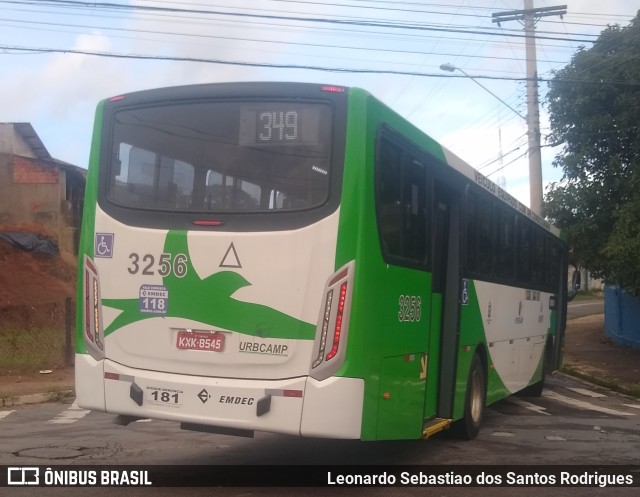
[(577, 372), (35, 398)]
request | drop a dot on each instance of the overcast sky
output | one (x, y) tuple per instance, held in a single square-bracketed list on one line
[(57, 92)]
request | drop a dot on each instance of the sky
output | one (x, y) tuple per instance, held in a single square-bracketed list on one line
[(52, 76)]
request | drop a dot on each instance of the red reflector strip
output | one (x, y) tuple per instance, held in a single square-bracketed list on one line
[(207, 223), (118, 98), (91, 266), (111, 376), (279, 392), (292, 393), (342, 274), (87, 316), (333, 89)]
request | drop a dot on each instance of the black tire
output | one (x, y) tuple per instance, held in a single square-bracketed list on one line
[(469, 426)]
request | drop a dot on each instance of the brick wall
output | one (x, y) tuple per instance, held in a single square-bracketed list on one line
[(28, 171)]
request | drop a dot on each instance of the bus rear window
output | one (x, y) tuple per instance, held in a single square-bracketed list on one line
[(222, 157)]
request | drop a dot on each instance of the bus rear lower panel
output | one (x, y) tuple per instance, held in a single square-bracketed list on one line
[(301, 406)]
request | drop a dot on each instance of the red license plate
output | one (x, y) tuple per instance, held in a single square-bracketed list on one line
[(195, 340)]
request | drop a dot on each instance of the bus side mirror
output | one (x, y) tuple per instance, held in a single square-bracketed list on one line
[(575, 284), (575, 280)]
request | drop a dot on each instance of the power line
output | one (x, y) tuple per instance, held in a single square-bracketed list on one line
[(237, 38), (321, 20), (9, 48), (507, 164)]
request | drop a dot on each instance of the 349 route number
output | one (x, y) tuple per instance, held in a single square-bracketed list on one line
[(409, 308), (164, 267)]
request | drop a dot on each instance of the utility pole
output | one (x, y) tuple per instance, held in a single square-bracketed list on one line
[(529, 16)]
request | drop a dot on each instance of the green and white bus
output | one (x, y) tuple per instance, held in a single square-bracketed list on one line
[(299, 259)]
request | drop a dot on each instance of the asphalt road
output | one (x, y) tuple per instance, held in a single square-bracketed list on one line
[(572, 423), (581, 308)]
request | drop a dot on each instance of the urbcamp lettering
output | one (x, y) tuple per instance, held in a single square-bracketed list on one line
[(264, 348)]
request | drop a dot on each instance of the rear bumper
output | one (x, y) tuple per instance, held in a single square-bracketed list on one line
[(303, 406)]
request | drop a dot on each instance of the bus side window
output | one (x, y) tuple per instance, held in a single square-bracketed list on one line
[(389, 196), (485, 247), (524, 253), (401, 198), (506, 250), (538, 263), (472, 233), (414, 197), (554, 253)]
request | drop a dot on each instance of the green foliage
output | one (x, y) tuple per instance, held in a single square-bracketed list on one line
[(594, 106)]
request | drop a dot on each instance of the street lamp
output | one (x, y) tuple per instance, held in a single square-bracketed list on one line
[(451, 68), (535, 166)]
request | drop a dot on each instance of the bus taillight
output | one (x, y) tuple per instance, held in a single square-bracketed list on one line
[(333, 323), (339, 319), (325, 329), (92, 321)]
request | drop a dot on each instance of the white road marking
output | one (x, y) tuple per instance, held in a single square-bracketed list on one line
[(633, 406), (553, 438), (583, 404), (70, 415), (4, 414), (502, 434), (144, 420), (587, 393), (528, 405)]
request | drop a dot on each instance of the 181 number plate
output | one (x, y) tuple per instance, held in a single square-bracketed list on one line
[(195, 340)]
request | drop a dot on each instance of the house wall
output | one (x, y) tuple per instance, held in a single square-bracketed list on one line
[(11, 142), (38, 196), (30, 195)]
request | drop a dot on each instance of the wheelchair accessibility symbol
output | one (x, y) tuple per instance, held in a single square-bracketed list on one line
[(104, 245)]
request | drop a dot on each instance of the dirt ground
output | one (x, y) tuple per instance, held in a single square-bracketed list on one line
[(33, 288), (590, 354), (31, 279)]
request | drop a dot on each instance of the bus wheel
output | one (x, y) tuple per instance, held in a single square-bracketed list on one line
[(469, 426)]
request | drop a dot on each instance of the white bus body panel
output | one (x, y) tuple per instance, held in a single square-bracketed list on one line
[(516, 322), (333, 408), (282, 271), (89, 376)]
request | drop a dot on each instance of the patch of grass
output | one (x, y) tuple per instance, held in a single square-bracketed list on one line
[(33, 348)]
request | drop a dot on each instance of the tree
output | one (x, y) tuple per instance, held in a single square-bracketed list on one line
[(594, 105)]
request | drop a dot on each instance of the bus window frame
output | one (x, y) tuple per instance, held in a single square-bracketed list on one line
[(227, 221), (546, 284), (406, 146)]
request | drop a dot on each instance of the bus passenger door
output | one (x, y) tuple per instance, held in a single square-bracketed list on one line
[(445, 317)]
